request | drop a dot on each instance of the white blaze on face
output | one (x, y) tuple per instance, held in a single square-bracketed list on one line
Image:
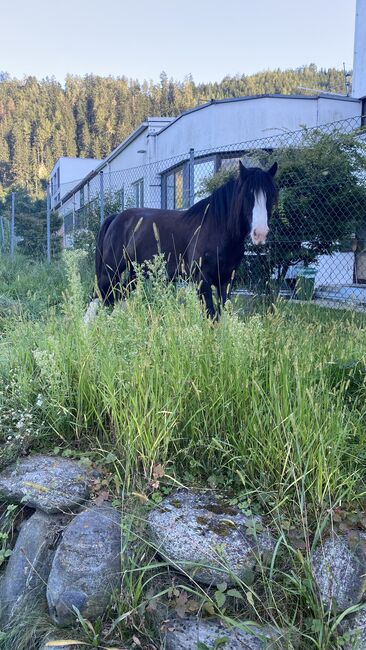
[(259, 229)]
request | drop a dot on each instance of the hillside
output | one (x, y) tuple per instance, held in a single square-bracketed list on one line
[(88, 116)]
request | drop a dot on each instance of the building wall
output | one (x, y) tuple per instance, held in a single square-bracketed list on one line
[(155, 147), (71, 170), (222, 124)]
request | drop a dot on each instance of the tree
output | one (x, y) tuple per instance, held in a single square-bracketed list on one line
[(322, 199), (322, 203)]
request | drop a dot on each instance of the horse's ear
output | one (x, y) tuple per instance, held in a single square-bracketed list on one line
[(243, 171), (272, 170)]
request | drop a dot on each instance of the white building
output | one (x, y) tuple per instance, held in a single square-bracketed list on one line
[(66, 173), (150, 167)]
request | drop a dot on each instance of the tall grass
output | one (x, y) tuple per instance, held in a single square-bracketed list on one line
[(273, 400), (269, 404)]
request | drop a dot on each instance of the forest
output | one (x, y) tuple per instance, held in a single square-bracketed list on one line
[(41, 120)]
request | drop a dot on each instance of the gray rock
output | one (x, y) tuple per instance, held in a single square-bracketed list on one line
[(184, 634), (87, 567), (339, 572), (206, 538), (47, 483), (355, 628), (26, 574)]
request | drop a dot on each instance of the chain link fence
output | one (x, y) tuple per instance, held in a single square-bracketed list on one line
[(28, 226), (316, 249)]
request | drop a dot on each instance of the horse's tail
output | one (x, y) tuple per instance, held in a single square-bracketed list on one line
[(99, 246)]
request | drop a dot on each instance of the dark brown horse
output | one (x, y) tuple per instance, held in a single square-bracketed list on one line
[(205, 242)]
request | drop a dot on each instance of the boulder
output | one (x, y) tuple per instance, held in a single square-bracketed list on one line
[(339, 571), (87, 566), (25, 578), (185, 634), (46, 483), (355, 631), (205, 537)]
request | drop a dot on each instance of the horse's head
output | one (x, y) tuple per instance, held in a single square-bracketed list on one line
[(259, 194)]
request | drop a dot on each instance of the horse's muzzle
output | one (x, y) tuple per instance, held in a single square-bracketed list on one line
[(259, 235)]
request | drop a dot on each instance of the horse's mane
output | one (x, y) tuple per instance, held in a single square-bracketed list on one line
[(224, 205)]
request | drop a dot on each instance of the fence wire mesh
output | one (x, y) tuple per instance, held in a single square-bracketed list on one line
[(316, 249)]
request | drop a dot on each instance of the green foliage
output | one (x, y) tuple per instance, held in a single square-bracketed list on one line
[(89, 223), (156, 381), (322, 199), (29, 287), (31, 226), (269, 406), (90, 116), (322, 202), (221, 177)]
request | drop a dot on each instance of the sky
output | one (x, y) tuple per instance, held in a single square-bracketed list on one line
[(140, 38)]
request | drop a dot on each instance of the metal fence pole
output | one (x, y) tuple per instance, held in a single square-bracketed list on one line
[(191, 177), (2, 235), (12, 228), (48, 224), (64, 229), (101, 196)]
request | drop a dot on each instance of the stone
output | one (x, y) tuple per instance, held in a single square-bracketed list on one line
[(46, 483), (25, 578), (339, 572), (185, 634), (206, 538), (87, 566), (355, 631)]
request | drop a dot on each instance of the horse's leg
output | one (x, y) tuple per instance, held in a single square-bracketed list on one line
[(105, 287), (205, 292), (109, 283)]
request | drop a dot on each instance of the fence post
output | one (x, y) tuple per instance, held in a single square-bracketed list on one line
[(12, 227), (2, 235), (48, 224), (64, 229), (191, 177), (101, 196)]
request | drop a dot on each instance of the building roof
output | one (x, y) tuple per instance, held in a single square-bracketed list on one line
[(246, 98), (125, 143), (171, 121)]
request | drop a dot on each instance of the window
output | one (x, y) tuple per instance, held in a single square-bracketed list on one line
[(58, 177), (203, 170), (82, 198), (363, 112), (175, 187), (230, 163), (120, 197), (138, 193), (170, 191), (53, 185)]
